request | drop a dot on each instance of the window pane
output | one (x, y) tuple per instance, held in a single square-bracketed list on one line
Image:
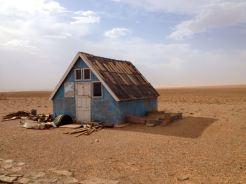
[(87, 74), (97, 89), (69, 89), (78, 74)]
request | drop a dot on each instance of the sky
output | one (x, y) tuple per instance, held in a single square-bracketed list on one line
[(173, 43)]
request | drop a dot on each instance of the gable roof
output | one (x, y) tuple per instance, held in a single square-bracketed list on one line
[(121, 78)]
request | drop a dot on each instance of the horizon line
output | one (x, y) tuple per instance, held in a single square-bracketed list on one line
[(157, 87)]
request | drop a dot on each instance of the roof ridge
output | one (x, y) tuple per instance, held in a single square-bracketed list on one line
[(105, 58)]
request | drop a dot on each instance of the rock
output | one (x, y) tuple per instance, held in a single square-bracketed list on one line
[(15, 169), (96, 140), (9, 161), (54, 180), (7, 179), (183, 178), (37, 175), (20, 164), (95, 180), (7, 164), (62, 172), (44, 181), (24, 180), (71, 180), (16, 175)]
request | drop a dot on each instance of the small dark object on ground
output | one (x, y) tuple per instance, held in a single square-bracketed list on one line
[(34, 112), (63, 120)]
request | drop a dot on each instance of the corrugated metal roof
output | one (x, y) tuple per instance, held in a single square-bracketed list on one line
[(122, 77)]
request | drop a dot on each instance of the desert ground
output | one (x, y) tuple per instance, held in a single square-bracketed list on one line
[(207, 146)]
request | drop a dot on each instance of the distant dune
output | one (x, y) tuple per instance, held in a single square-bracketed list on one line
[(180, 89), (212, 86), (17, 94)]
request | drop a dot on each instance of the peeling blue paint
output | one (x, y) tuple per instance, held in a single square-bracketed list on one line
[(105, 108)]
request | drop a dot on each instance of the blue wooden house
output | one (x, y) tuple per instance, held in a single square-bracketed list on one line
[(101, 89)]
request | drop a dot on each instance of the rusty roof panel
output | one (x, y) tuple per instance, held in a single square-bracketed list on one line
[(123, 78)]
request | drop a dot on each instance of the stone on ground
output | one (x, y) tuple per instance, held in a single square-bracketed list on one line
[(95, 180), (7, 179), (62, 172)]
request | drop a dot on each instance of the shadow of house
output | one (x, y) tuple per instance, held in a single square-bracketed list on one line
[(188, 127)]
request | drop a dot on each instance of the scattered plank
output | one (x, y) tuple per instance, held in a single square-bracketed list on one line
[(71, 126), (85, 129)]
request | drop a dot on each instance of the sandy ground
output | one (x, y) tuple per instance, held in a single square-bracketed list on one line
[(207, 146)]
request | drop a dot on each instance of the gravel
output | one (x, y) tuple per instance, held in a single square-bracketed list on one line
[(207, 146)]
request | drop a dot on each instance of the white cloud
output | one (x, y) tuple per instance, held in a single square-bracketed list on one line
[(13, 44), (86, 17), (206, 14), (38, 34), (10, 7), (37, 23), (212, 16), (117, 32)]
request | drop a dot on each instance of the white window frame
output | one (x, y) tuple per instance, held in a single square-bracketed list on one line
[(81, 74), (70, 93), (84, 73), (93, 90)]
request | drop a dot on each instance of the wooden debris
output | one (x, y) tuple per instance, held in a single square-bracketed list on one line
[(15, 115), (71, 126), (29, 115), (86, 129), (151, 123)]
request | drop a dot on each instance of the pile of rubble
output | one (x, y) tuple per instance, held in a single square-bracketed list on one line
[(155, 118), (32, 120), (29, 115)]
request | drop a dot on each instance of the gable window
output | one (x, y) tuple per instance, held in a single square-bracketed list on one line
[(97, 89), (78, 74), (87, 74)]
